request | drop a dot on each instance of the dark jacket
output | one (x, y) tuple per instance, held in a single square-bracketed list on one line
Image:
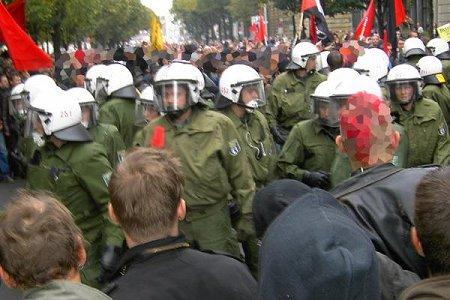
[(433, 288), (382, 201), (169, 269)]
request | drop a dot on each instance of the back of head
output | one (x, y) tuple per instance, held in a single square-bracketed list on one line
[(314, 250), (39, 240), (432, 219), (272, 199), (145, 190), (335, 60), (366, 130)]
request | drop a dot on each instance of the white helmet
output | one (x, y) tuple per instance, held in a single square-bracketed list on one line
[(372, 66), (37, 84), (144, 103), (94, 72), (300, 55), (323, 58), (119, 82), (403, 75), (341, 74), (171, 80), (59, 114), (18, 101), (321, 101), (238, 78), (350, 87), (88, 105), (379, 54), (438, 47), (413, 46), (430, 68)]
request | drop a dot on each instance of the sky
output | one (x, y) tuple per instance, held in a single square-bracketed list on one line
[(160, 7)]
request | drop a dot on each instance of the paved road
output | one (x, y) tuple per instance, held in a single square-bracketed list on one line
[(7, 190)]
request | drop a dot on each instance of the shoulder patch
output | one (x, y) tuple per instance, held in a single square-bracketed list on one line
[(234, 146), (442, 130), (106, 178)]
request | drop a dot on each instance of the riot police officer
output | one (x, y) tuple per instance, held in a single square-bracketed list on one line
[(435, 83), (288, 102), (422, 118), (77, 172), (104, 134), (439, 48), (211, 156)]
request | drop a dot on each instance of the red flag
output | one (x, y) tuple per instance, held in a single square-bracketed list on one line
[(158, 140), (17, 11), (261, 34), (308, 4), (24, 53), (365, 26), (312, 29), (400, 14)]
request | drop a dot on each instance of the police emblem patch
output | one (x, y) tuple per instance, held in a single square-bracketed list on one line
[(106, 178), (235, 148), (442, 130)]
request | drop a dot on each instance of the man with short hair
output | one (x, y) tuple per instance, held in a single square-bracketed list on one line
[(146, 201), (431, 237), (335, 60), (41, 250)]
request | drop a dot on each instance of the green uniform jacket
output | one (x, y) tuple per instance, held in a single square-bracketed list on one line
[(108, 136), (64, 290), (120, 113), (441, 95), (446, 70), (255, 133), (427, 133), (213, 164), (342, 170), (288, 102), (308, 148)]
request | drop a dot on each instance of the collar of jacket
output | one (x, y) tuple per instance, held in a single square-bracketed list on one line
[(197, 122), (367, 177), (151, 248), (235, 119), (420, 112)]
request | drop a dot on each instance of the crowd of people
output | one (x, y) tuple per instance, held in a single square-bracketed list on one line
[(231, 170)]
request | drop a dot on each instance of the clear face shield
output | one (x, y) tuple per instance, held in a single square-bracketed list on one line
[(252, 95), (145, 111), (18, 106), (34, 125), (89, 114), (101, 90), (88, 85), (327, 109), (173, 96), (404, 92), (314, 62)]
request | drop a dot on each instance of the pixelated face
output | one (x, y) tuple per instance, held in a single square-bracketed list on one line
[(404, 92)]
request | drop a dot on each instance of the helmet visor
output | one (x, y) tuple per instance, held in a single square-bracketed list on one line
[(145, 111), (89, 114), (18, 105), (33, 123), (101, 90), (403, 92), (173, 96), (252, 94), (327, 109)]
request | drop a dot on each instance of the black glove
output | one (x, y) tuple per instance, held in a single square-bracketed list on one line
[(318, 179), (279, 135), (108, 262)]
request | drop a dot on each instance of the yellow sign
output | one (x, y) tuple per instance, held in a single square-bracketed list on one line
[(444, 32), (156, 36)]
